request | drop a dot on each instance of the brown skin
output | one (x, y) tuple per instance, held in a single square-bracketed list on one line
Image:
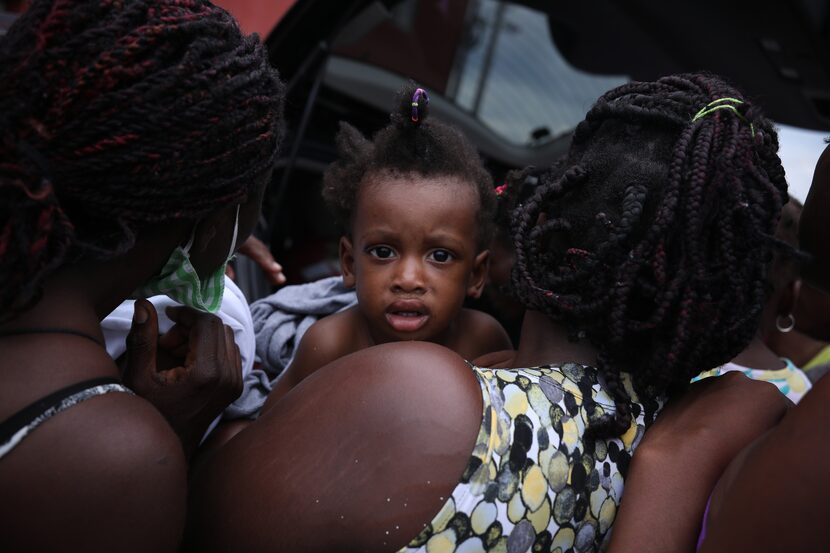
[(812, 318), (681, 457), (409, 413), (423, 407), (200, 353), (109, 474), (812, 314), (771, 496), (419, 254), (661, 511), (812, 232), (257, 250), (796, 346), (343, 333)]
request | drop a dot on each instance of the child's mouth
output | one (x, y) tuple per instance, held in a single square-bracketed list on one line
[(406, 316)]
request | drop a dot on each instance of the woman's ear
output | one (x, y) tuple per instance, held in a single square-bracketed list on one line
[(347, 262), (478, 276)]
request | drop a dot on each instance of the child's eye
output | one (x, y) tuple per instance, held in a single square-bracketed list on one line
[(441, 256), (381, 252)]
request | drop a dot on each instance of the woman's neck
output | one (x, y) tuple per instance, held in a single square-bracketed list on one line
[(59, 309), (756, 355), (545, 341), (796, 346), (79, 296)]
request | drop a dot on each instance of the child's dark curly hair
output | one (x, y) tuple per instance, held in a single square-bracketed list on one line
[(657, 232), (409, 144), (117, 114)]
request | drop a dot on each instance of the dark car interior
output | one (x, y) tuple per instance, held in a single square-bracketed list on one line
[(515, 77)]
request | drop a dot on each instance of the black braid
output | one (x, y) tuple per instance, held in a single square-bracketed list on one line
[(424, 147), (658, 231), (118, 114)]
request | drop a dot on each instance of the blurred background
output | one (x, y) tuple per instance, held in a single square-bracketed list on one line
[(514, 76)]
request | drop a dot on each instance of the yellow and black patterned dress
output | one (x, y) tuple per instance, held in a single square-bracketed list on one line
[(534, 481)]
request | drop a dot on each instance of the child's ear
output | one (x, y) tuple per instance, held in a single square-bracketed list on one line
[(478, 276), (347, 262)]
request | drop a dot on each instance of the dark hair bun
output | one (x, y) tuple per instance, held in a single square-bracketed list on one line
[(413, 106)]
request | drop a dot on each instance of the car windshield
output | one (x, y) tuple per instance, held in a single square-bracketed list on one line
[(510, 54), (493, 63)]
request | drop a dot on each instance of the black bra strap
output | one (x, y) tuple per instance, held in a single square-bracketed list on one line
[(29, 413)]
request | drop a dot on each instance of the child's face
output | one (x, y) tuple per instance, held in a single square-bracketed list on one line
[(412, 255)]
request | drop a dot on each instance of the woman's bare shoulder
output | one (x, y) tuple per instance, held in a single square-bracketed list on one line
[(388, 429), (94, 455)]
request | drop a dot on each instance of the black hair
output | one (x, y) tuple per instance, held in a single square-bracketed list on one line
[(653, 239), (788, 259), (117, 114), (408, 144)]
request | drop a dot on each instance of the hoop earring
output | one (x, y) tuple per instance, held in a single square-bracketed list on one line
[(787, 326)]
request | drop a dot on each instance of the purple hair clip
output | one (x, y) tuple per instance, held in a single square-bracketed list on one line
[(419, 94)]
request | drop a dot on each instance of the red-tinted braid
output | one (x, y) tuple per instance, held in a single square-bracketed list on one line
[(657, 234), (116, 114)]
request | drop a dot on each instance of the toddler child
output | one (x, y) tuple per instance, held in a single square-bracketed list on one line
[(417, 207)]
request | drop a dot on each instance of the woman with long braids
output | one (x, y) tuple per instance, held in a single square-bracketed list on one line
[(767, 496), (642, 260), (136, 140)]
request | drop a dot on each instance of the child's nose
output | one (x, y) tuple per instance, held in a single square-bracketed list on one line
[(410, 275)]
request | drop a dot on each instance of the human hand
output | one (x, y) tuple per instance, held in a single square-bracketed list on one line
[(190, 373), (256, 249)]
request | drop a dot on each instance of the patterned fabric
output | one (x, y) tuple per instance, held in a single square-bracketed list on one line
[(791, 381), (14, 429), (822, 358), (180, 281), (534, 481)]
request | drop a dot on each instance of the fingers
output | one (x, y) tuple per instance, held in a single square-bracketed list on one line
[(175, 339), (141, 342), (183, 315), (234, 363), (209, 350), (257, 250)]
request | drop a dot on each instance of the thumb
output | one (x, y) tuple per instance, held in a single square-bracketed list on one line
[(142, 342)]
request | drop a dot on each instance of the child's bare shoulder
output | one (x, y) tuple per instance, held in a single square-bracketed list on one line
[(480, 333), (327, 340), (334, 336)]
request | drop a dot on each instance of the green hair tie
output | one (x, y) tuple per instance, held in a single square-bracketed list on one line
[(723, 103)]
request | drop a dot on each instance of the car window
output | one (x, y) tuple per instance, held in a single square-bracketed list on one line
[(511, 76), (493, 63)]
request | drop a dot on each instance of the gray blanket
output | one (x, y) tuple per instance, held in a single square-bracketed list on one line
[(280, 320)]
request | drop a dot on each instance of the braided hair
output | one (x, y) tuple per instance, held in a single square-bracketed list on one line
[(653, 239), (116, 114), (409, 144)]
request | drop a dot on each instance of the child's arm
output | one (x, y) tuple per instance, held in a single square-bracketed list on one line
[(323, 342)]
